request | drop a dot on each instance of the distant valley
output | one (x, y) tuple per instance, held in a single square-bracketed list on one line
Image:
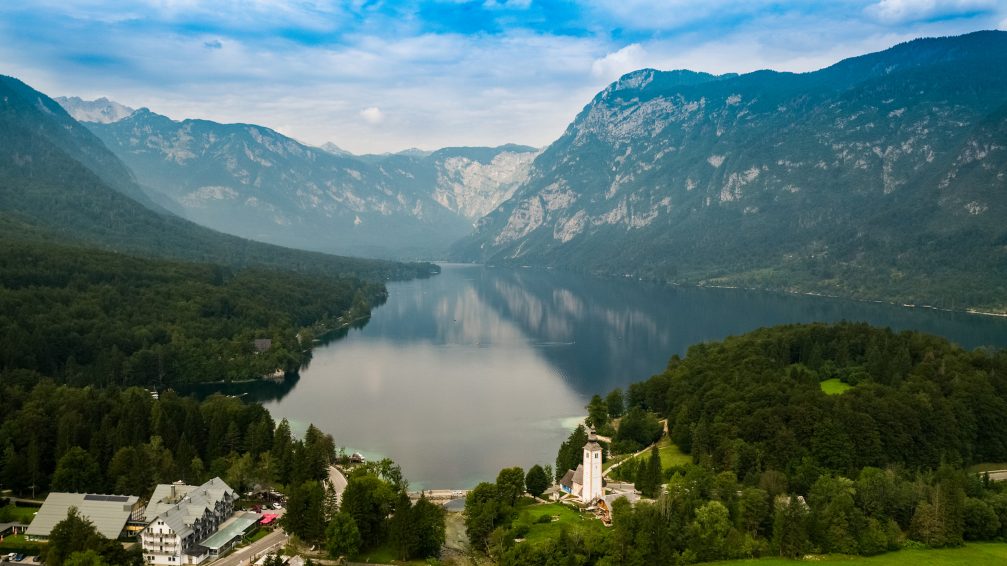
[(253, 182), (880, 177)]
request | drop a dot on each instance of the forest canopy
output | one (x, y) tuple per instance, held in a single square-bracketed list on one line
[(88, 317)]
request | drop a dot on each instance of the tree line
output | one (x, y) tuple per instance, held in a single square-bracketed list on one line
[(87, 317), (63, 438)]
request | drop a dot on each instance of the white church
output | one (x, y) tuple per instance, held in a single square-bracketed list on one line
[(585, 483)]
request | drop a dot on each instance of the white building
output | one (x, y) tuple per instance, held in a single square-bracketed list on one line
[(181, 517), (113, 516), (585, 483), (592, 489)]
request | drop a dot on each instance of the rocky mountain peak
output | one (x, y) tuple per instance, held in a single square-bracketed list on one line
[(100, 110)]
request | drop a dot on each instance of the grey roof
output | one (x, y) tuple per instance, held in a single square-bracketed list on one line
[(4, 527), (230, 529), (180, 505), (578, 476), (567, 480), (108, 513), (630, 496)]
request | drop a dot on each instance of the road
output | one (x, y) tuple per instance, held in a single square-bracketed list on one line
[(268, 544), (338, 481)]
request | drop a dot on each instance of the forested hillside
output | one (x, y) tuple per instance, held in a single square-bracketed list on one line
[(59, 183), (87, 317), (780, 467)]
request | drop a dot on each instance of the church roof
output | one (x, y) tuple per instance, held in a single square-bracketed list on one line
[(592, 441), (567, 480), (578, 476)]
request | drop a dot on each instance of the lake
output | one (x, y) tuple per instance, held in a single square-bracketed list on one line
[(480, 368)]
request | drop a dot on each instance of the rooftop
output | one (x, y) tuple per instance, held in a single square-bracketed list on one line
[(233, 527), (109, 513), (180, 505)]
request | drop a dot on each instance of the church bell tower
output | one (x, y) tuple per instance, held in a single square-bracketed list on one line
[(592, 489)]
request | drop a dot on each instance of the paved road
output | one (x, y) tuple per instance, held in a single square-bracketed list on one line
[(338, 481), (998, 475), (268, 544)]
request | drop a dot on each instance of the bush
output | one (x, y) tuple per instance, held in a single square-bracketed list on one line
[(520, 530)]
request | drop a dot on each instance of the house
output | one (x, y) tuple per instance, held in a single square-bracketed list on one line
[(262, 345), (183, 520), (114, 516)]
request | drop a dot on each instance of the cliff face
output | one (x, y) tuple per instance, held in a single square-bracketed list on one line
[(882, 176)]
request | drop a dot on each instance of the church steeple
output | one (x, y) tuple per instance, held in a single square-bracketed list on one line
[(592, 489)]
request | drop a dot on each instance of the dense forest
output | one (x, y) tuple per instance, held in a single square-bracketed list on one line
[(780, 467), (109, 440), (123, 441), (86, 317)]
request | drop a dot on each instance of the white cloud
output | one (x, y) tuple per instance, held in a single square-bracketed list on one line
[(372, 115), (1003, 25), (897, 11), (511, 4), (425, 88), (618, 63)]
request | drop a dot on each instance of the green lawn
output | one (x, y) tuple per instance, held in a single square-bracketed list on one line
[(14, 514), (613, 461), (18, 543), (572, 519), (671, 454), (969, 555), (834, 386)]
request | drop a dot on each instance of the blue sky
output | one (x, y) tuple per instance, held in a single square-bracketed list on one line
[(373, 76)]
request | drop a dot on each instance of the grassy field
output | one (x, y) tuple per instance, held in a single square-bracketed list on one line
[(834, 386), (971, 554), (671, 454), (567, 517)]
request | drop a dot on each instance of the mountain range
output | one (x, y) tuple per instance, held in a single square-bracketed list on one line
[(879, 177), (256, 183), (60, 184), (882, 176)]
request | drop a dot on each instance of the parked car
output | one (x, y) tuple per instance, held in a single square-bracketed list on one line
[(18, 557)]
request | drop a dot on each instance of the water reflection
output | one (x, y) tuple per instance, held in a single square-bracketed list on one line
[(480, 368)]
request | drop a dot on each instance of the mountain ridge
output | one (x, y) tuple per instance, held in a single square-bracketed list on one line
[(51, 191), (834, 181), (253, 182)]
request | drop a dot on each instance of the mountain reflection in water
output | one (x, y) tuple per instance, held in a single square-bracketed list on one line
[(479, 368)]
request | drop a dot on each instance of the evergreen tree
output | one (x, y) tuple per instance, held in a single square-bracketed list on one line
[(597, 412), (615, 403)]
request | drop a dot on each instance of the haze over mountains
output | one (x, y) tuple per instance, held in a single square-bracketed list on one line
[(60, 184), (253, 182), (882, 176)]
